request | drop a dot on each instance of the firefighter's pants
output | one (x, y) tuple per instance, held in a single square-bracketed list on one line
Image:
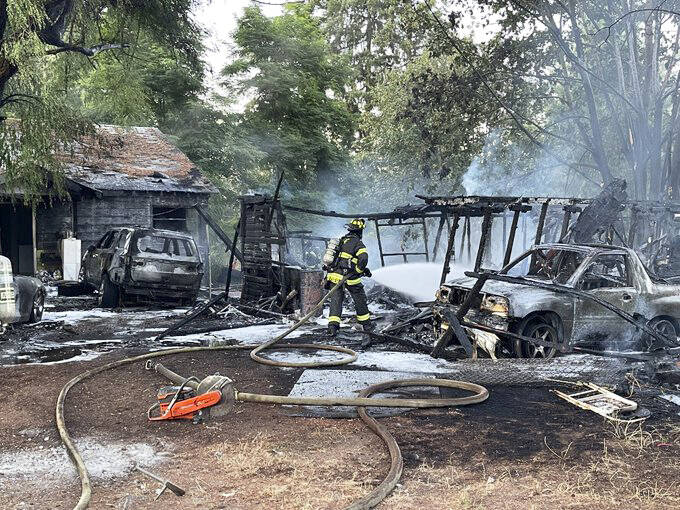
[(358, 295)]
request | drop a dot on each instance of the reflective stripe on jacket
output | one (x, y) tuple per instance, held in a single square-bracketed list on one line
[(352, 260)]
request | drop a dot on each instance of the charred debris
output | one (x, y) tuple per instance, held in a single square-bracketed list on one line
[(611, 259)]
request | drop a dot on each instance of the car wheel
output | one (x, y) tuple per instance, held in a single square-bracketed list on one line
[(665, 327), (109, 294), (38, 307), (542, 330)]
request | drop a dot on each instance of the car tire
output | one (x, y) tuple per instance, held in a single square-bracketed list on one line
[(38, 307), (109, 293), (668, 328), (538, 327)]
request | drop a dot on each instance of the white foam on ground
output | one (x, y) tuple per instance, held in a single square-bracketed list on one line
[(76, 316), (83, 356), (575, 365), (394, 361), (675, 399), (48, 467), (246, 335), (343, 384)]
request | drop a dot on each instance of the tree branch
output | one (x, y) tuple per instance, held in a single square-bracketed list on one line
[(618, 20), (88, 52)]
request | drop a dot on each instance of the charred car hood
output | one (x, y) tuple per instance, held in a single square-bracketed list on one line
[(522, 298)]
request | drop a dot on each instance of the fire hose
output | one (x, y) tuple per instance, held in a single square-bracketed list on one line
[(479, 394)]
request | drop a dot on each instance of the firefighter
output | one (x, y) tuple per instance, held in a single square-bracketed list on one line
[(352, 261)]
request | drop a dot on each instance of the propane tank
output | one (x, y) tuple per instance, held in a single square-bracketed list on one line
[(7, 310), (331, 252)]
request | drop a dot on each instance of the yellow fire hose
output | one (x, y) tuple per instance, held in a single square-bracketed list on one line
[(396, 463)]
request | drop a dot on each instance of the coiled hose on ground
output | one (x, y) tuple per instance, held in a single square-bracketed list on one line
[(396, 463)]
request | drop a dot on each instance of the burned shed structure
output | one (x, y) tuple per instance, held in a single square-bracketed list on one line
[(484, 234), (120, 177)]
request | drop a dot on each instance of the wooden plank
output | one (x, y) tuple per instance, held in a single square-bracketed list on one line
[(511, 237), (450, 248), (483, 239)]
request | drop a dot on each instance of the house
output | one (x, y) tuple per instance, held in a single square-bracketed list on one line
[(120, 177)]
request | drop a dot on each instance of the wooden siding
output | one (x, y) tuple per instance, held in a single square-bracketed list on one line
[(94, 216), (50, 221)]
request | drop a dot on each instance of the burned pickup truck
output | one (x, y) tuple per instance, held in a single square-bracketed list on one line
[(144, 265), (557, 310)]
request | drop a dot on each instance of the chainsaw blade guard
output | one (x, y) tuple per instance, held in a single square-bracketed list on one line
[(225, 386)]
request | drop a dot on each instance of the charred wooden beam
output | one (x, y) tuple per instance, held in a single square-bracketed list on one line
[(192, 315), (633, 226), (404, 213), (380, 246), (231, 261), (427, 250), (484, 238), (511, 236), (450, 248), (437, 237), (566, 220), (541, 222), (455, 328)]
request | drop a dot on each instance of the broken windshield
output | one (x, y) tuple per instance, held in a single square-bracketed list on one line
[(158, 246), (552, 264)]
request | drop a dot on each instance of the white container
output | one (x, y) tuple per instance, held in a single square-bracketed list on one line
[(331, 252), (70, 257), (7, 307)]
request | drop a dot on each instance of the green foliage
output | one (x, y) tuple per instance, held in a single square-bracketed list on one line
[(377, 36), (27, 147), (296, 117), (66, 62), (429, 121)]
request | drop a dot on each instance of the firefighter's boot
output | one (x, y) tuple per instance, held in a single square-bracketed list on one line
[(368, 325)]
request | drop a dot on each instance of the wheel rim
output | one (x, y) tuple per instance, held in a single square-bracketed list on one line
[(667, 330), (38, 305), (545, 333)]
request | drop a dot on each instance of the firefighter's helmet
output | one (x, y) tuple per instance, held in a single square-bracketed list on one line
[(357, 224)]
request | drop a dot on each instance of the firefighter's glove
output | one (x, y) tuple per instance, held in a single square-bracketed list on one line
[(367, 273)]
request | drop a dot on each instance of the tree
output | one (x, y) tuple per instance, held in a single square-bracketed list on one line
[(296, 115), (34, 34), (427, 124), (377, 36), (610, 86)]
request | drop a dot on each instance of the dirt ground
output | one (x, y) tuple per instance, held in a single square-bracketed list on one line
[(522, 448)]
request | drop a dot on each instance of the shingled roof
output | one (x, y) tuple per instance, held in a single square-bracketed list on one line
[(132, 159)]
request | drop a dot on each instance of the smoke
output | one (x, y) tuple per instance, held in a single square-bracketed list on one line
[(504, 168)]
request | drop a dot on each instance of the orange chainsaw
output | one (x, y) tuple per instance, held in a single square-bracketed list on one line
[(192, 399)]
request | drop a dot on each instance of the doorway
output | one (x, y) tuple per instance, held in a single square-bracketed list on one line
[(16, 237)]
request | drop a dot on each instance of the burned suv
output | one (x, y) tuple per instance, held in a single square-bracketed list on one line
[(146, 265), (612, 274)]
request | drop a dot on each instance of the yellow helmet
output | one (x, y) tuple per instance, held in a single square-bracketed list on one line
[(356, 224)]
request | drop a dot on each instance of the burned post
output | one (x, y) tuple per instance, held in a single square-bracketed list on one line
[(450, 248)]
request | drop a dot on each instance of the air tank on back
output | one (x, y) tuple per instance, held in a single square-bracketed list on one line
[(7, 310), (331, 252)]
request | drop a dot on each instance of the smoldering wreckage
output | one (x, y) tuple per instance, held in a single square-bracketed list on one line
[(528, 287)]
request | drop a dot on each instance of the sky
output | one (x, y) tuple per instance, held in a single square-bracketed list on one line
[(219, 18)]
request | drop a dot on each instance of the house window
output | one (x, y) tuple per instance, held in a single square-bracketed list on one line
[(170, 218)]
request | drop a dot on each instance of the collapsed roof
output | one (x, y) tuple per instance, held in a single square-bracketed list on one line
[(132, 159)]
